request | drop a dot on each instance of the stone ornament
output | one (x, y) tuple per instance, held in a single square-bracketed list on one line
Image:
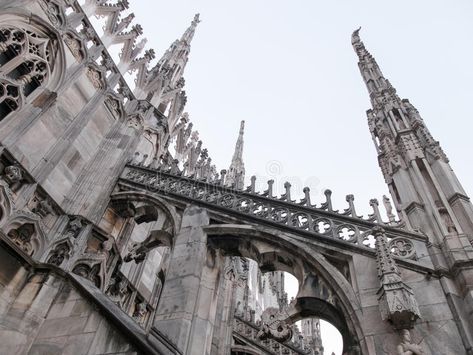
[(59, 254), (402, 248), (396, 299), (22, 236), (75, 45), (273, 325), (96, 77), (12, 174), (118, 290)]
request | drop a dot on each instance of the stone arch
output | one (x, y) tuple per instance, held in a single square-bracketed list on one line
[(31, 56), (323, 290), (60, 252), (92, 270)]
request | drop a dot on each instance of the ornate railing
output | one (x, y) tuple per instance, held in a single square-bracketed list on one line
[(324, 222)]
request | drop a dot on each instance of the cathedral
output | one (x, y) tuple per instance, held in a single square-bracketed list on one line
[(118, 235)]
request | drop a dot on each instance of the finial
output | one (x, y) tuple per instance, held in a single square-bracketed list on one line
[(355, 36), (269, 191), (306, 200), (376, 215), (251, 188)]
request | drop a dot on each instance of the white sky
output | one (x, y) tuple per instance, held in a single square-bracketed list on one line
[(288, 69)]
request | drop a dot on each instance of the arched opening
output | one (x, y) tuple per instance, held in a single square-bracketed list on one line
[(320, 295), (317, 334), (146, 226)]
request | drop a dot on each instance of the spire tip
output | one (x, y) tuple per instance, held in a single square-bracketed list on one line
[(355, 37)]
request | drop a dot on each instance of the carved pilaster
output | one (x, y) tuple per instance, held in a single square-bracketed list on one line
[(396, 299)]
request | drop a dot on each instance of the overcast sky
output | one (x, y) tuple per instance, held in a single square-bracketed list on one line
[(287, 68)]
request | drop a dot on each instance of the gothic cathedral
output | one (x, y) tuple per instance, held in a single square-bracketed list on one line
[(118, 235)]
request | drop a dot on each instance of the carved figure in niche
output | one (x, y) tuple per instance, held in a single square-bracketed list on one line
[(447, 220), (118, 290), (73, 228), (90, 273), (41, 206), (22, 237), (406, 347), (59, 254), (140, 311), (12, 174), (106, 249)]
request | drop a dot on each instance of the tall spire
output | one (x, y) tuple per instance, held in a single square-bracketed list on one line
[(236, 172), (425, 190), (166, 77), (189, 34), (373, 77), (176, 57)]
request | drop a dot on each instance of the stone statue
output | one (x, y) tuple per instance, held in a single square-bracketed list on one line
[(406, 347), (389, 208)]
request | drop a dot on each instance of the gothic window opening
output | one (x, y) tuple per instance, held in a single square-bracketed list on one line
[(9, 98), (30, 57)]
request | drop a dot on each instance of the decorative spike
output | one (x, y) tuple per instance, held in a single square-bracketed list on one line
[(251, 188), (402, 315), (328, 201), (351, 209), (287, 195), (306, 200), (269, 191), (223, 173), (375, 205)]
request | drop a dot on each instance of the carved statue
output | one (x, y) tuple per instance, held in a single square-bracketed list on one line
[(406, 347), (117, 290), (389, 208), (451, 229), (12, 174)]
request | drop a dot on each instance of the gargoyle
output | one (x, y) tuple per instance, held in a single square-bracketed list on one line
[(274, 325), (156, 238)]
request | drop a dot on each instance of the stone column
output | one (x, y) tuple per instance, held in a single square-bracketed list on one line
[(187, 307)]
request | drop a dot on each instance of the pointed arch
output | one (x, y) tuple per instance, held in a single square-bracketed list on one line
[(323, 290), (26, 230)]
